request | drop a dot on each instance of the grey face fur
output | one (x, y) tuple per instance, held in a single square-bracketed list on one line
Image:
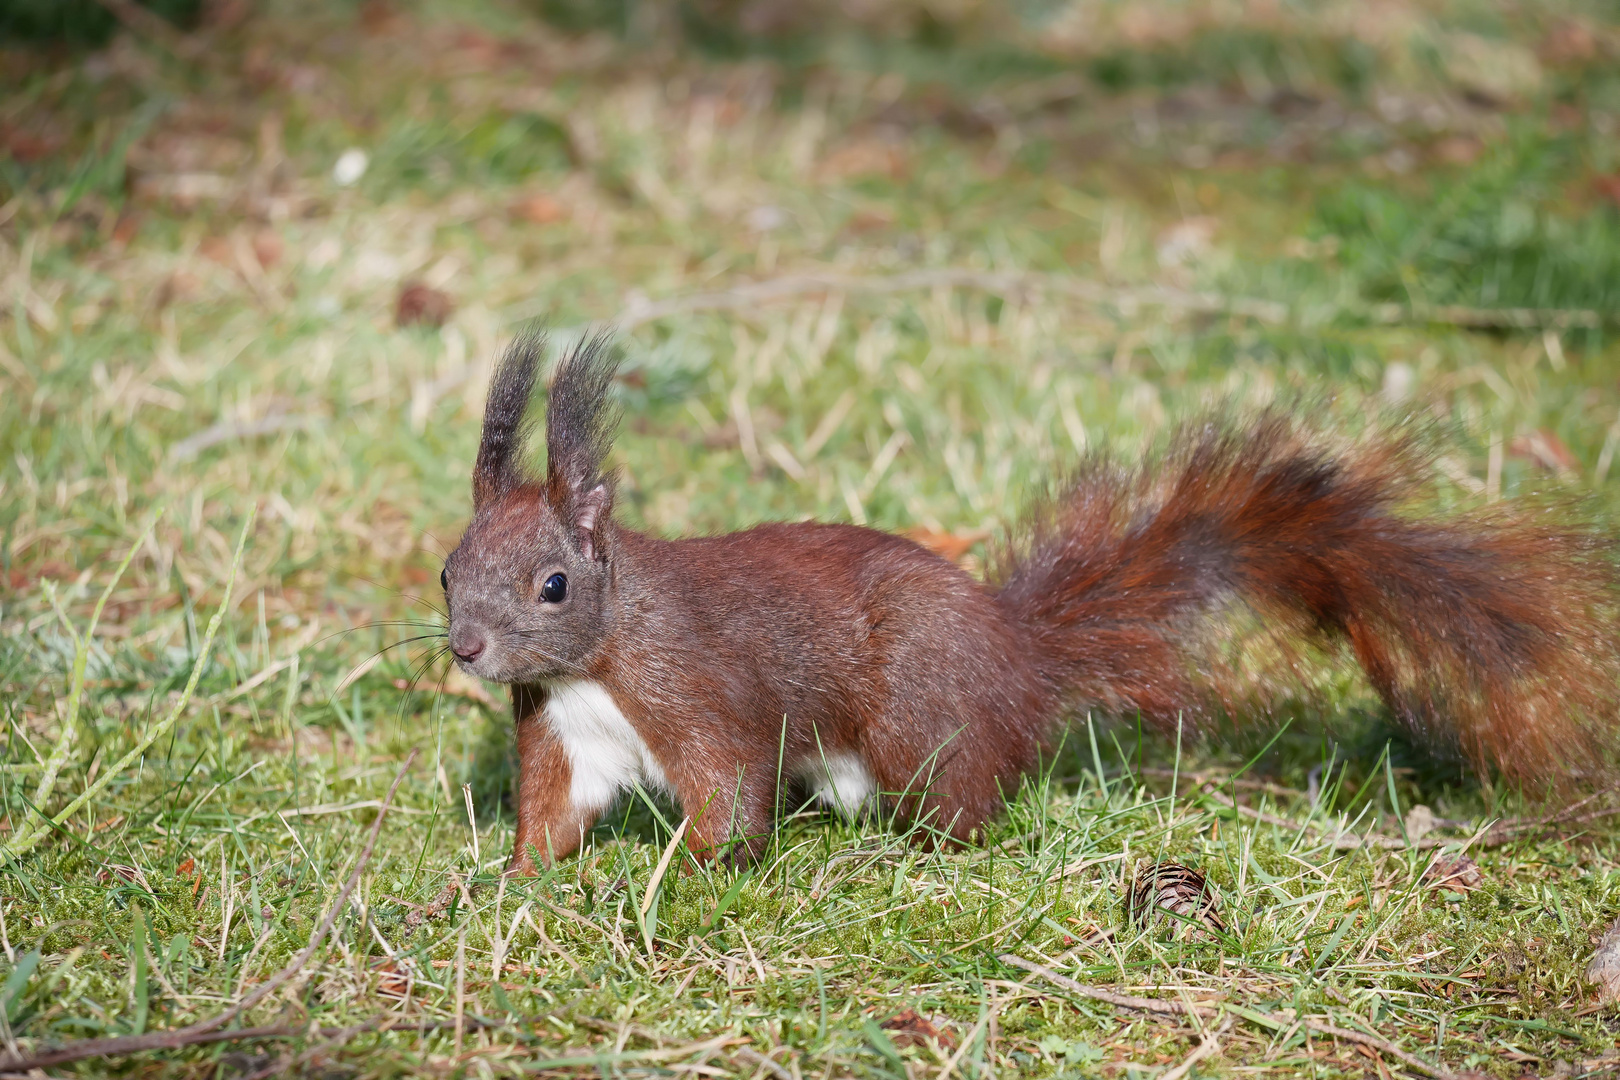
[(529, 586), (502, 626)]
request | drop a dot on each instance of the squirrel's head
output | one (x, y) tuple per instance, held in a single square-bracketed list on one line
[(529, 586)]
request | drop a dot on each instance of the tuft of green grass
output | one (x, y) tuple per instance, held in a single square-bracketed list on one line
[(195, 315)]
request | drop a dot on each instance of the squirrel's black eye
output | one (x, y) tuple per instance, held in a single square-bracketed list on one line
[(444, 579), (555, 589)]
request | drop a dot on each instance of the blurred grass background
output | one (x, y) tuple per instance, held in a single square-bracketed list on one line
[(263, 255)]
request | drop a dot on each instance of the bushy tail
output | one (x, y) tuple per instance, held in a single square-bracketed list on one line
[(1493, 631)]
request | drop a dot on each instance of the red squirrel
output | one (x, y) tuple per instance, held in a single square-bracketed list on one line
[(736, 672)]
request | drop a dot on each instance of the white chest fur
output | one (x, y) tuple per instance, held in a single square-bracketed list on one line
[(604, 750), (840, 782)]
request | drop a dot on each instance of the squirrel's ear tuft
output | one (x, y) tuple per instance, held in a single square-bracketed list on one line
[(499, 467), (580, 421)]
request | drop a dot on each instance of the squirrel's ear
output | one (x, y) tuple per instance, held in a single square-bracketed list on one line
[(498, 468), (579, 432), (591, 512)]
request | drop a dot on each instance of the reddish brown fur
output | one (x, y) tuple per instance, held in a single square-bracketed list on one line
[(1493, 629), (739, 658), (889, 652)]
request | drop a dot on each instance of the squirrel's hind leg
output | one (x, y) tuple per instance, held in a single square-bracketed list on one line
[(732, 815)]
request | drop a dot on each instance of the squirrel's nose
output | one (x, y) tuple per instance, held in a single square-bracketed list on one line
[(467, 643)]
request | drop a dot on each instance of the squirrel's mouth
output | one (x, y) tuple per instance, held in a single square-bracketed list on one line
[(491, 665), (503, 661)]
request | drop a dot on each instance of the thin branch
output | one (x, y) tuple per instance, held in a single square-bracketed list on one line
[(225, 431), (193, 1034), (1166, 1007), (1160, 1006), (1496, 318), (639, 310), (296, 1031), (1009, 283), (1373, 1042), (1503, 832)]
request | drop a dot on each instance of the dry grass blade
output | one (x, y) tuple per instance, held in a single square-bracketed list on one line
[(1162, 1007), (760, 1061), (1209, 1046), (81, 658), (27, 841)]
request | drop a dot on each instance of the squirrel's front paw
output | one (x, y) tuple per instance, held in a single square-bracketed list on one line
[(521, 864)]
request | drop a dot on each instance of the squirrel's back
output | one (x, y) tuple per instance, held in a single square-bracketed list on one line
[(877, 641)]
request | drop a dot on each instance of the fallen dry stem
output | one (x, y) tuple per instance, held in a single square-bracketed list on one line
[(1503, 832), (1178, 1008), (1161, 1007), (640, 311), (294, 1031)]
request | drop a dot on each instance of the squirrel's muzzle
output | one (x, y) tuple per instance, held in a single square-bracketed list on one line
[(467, 642)]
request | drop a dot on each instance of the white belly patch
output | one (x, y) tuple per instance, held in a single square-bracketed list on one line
[(604, 750), (839, 781)]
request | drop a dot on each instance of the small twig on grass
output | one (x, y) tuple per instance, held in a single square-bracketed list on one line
[(1495, 318), (1372, 1042), (1337, 842), (1503, 832), (1162, 1007), (331, 1035), (1178, 1008), (639, 310), (205, 1030), (225, 431), (1565, 816)]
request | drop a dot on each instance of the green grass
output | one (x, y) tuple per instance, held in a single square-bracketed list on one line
[(177, 262)]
